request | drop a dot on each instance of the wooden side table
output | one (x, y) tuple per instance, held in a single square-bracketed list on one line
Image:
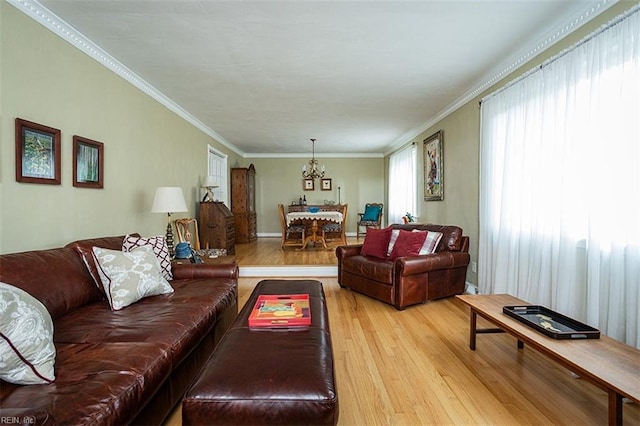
[(218, 260)]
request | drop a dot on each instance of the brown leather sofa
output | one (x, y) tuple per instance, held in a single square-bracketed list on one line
[(130, 366), (406, 281)]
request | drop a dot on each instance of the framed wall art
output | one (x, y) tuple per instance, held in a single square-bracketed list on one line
[(326, 184), (88, 163), (308, 184), (37, 153), (433, 167)]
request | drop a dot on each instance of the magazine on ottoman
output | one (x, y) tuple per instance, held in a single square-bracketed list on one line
[(281, 310)]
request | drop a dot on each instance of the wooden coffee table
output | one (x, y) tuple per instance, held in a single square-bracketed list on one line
[(606, 362)]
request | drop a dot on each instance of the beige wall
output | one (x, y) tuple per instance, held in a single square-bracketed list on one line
[(279, 181), (461, 151), (46, 80), (462, 148)]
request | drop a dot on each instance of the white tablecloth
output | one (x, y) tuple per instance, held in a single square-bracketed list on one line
[(330, 216)]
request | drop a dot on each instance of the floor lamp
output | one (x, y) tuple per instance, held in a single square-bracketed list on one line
[(169, 199)]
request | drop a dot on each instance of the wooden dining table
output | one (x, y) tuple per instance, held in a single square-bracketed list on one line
[(314, 222)]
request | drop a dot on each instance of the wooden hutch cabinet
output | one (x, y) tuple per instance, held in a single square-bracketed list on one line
[(243, 203), (217, 227)]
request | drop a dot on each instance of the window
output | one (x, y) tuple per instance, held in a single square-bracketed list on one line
[(402, 184), (560, 186), (218, 169)]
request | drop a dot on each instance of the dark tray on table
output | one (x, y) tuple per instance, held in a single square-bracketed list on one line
[(551, 323)]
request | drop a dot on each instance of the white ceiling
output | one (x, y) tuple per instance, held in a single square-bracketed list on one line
[(359, 76)]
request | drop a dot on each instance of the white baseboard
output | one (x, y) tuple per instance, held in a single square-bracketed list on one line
[(269, 235), (278, 234), (288, 271), (309, 271)]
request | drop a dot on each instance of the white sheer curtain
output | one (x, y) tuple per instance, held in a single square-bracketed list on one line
[(560, 184), (402, 184)]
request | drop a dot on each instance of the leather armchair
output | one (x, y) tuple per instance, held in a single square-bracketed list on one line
[(410, 280)]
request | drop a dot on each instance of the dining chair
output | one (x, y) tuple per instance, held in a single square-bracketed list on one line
[(371, 218), (331, 230), (185, 234), (292, 235)]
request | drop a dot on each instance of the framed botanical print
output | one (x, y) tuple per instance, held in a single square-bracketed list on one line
[(88, 163), (325, 184), (308, 184), (433, 167), (37, 153)]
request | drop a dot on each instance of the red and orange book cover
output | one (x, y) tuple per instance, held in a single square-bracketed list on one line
[(281, 310)]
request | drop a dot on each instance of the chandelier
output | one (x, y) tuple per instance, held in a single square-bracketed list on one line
[(313, 172)]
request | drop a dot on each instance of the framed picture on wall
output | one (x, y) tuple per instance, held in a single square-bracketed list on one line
[(326, 185), (37, 153), (88, 163), (308, 184), (433, 167)]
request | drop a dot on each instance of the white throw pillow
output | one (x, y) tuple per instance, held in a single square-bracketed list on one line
[(430, 242), (160, 249), (27, 352), (392, 241), (130, 276)]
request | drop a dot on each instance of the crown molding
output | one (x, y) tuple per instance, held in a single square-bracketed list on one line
[(54, 23), (325, 155), (581, 16), (58, 26)]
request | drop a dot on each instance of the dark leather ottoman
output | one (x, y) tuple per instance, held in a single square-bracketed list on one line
[(269, 376)]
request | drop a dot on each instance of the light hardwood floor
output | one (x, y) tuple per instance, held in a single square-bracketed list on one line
[(414, 367), (267, 251)]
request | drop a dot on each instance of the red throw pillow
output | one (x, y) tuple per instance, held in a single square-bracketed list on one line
[(408, 244), (376, 242)]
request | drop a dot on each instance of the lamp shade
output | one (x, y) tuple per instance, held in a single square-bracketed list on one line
[(169, 199), (209, 182)]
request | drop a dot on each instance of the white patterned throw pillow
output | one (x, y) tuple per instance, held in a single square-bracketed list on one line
[(431, 242), (27, 352), (392, 241), (130, 276), (159, 246)]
